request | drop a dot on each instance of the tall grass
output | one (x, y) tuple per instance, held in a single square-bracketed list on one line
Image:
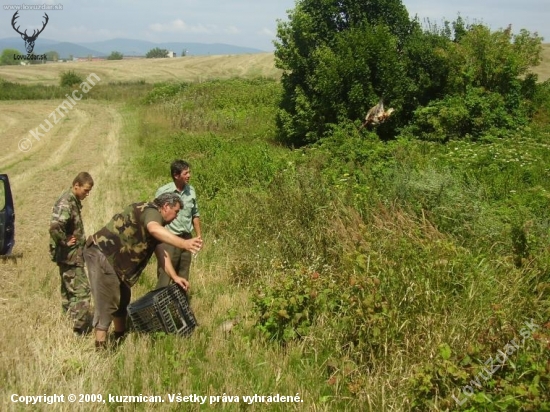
[(363, 275), (365, 258)]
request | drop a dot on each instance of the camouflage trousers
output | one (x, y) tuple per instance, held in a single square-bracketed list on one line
[(75, 295)]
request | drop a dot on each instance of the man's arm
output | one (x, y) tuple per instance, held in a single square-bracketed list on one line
[(166, 264), (197, 226), (195, 214), (163, 235), (58, 225)]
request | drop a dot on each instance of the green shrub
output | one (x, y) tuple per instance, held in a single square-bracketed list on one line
[(474, 115), (70, 78), (115, 56), (6, 58), (474, 379), (156, 52), (163, 91)]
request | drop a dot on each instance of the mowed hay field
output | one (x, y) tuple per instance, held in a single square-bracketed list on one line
[(39, 353), (189, 69)]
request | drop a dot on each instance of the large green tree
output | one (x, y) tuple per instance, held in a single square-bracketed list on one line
[(339, 57)]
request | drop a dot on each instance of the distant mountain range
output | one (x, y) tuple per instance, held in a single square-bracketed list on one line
[(128, 47)]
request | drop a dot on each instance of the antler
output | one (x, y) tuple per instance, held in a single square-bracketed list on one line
[(35, 35), (15, 16)]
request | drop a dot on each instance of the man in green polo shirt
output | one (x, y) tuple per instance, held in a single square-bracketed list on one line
[(188, 220)]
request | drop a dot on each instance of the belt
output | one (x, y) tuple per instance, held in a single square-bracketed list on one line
[(185, 235)]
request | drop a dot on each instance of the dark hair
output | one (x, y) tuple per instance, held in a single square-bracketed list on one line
[(169, 199), (83, 178), (178, 166)]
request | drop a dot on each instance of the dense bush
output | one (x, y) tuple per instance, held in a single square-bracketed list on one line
[(340, 58), (156, 52), (70, 78), (115, 56), (473, 114)]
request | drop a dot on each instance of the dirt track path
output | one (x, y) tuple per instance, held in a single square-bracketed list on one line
[(34, 335), (87, 139)]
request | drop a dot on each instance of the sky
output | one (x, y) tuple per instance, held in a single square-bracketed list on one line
[(247, 23)]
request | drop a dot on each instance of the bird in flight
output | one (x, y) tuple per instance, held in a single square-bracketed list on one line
[(376, 115)]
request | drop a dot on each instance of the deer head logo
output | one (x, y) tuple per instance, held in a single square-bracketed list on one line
[(29, 40)]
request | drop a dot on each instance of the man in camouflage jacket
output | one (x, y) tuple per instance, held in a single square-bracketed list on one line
[(67, 241), (118, 252)]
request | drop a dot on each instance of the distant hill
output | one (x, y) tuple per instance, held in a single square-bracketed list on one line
[(128, 47)]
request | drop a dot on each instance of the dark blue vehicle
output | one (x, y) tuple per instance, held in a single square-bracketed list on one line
[(7, 217)]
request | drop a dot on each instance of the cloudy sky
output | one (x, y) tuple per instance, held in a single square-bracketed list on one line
[(249, 23)]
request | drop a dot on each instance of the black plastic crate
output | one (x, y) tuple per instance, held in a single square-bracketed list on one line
[(143, 314), (163, 310)]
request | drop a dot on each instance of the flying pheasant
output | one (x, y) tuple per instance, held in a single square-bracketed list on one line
[(376, 115)]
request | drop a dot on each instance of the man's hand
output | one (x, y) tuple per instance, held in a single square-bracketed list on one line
[(182, 282), (71, 241), (193, 245)]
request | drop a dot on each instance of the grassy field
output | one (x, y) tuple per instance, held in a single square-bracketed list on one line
[(365, 275), (187, 69)]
